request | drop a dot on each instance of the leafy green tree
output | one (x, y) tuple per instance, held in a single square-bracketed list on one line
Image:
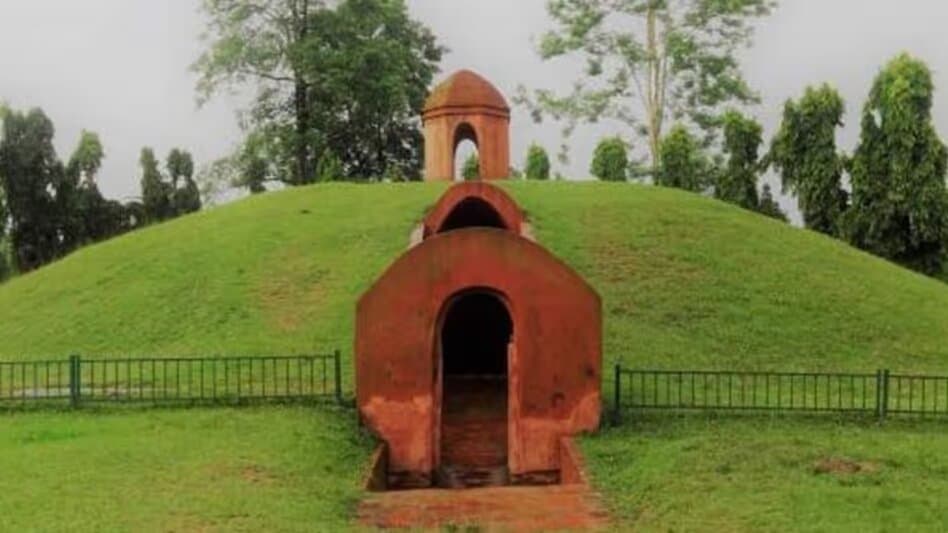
[(737, 183), (156, 192), (186, 197), (84, 212), (611, 160), (649, 61), (769, 207), (538, 163), (472, 168), (804, 153), (899, 201), (683, 163), (30, 173), (87, 159), (349, 79)]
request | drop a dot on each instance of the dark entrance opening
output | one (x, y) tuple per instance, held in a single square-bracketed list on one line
[(475, 336), (471, 213)]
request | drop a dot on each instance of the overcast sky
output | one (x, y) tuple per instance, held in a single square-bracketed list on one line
[(120, 67)]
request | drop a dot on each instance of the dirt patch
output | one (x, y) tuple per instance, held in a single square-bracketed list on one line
[(844, 466), (256, 475)]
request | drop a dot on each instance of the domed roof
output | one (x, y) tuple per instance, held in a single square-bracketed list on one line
[(466, 89)]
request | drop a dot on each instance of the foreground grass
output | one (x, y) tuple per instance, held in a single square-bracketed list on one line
[(761, 474), (263, 469)]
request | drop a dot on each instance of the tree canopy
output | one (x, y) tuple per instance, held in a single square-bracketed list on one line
[(899, 203), (804, 153), (683, 164), (350, 80), (611, 160), (538, 163), (649, 62), (737, 182)]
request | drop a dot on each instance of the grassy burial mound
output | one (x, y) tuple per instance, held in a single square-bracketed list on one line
[(687, 283)]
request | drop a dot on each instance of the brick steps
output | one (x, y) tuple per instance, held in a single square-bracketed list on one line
[(549, 508)]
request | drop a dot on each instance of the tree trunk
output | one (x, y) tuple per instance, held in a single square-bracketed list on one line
[(654, 88), (304, 170)]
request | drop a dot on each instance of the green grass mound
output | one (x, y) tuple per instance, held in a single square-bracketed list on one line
[(686, 282)]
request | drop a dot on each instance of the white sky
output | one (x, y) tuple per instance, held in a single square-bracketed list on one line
[(120, 68)]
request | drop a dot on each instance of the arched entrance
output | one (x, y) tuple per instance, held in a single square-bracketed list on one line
[(465, 148), (473, 212), (475, 334)]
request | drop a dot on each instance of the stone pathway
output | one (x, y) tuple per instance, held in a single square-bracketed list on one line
[(549, 508)]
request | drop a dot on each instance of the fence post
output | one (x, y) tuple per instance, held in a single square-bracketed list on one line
[(885, 395), (75, 378), (617, 396), (338, 376)]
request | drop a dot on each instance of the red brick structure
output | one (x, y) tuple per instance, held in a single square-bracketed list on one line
[(477, 350), (474, 203), (466, 107)]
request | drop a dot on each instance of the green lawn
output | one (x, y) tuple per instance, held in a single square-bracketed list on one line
[(262, 469), (781, 474), (687, 283)]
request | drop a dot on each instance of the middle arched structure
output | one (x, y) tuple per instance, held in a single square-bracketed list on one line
[(553, 370), (474, 204)]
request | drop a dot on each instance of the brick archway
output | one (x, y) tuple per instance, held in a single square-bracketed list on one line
[(466, 107), (474, 204)]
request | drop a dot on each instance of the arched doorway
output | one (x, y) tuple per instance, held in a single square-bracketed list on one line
[(472, 212), (466, 150), (475, 335)]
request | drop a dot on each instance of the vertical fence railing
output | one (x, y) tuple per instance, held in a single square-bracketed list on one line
[(879, 394), (174, 380)]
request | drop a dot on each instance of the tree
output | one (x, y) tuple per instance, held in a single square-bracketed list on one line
[(610, 160), (185, 198), (30, 173), (85, 217), (683, 164), (737, 183), (156, 193), (899, 203), (804, 153), (769, 207), (351, 80), (472, 168), (260, 41), (538, 163), (648, 61)]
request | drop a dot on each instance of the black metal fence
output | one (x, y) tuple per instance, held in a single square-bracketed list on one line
[(175, 380), (879, 394)]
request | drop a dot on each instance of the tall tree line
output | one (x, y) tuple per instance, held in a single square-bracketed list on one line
[(48, 209)]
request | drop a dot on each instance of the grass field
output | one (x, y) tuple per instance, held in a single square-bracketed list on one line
[(262, 469), (781, 474), (687, 283)]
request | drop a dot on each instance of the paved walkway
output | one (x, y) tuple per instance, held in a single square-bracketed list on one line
[(549, 508)]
